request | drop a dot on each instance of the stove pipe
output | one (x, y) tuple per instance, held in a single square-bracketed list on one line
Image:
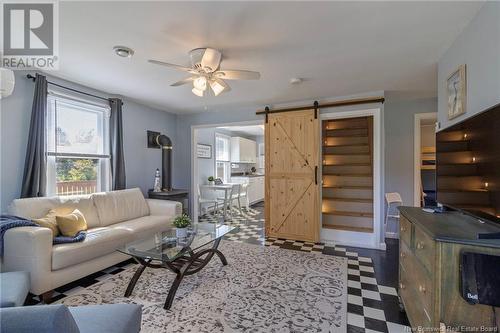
[(166, 161)]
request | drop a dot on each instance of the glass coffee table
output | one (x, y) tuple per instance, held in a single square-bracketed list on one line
[(183, 256)]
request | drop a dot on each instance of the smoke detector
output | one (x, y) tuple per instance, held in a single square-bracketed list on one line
[(123, 51), (295, 80)]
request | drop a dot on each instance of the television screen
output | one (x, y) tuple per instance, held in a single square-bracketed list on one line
[(468, 165)]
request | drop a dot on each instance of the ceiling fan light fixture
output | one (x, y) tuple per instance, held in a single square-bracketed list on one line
[(200, 83), (197, 92), (217, 88)]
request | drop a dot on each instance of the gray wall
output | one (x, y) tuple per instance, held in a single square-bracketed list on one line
[(140, 162), (427, 136), (399, 142), (478, 47), (182, 160), (206, 166)]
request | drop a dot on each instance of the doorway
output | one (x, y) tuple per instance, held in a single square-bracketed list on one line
[(353, 178), (228, 172), (424, 183)]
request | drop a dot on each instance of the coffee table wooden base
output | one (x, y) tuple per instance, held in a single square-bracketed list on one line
[(187, 264)]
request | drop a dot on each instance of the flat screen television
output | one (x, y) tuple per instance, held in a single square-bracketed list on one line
[(468, 165)]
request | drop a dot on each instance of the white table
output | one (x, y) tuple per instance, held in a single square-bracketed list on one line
[(227, 193)]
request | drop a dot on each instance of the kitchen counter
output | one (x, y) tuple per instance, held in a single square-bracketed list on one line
[(255, 183)]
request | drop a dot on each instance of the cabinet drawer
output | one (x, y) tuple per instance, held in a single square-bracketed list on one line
[(422, 285), (412, 302), (405, 230), (404, 255), (425, 249), (418, 278)]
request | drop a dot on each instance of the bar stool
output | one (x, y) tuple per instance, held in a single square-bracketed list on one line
[(393, 200)]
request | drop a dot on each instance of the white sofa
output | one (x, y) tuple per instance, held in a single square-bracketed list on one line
[(113, 218)]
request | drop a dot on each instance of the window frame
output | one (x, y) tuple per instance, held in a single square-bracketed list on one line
[(103, 111), (226, 163)]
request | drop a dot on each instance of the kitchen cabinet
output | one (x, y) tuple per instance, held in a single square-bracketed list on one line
[(243, 150), (255, 187), (261, 162), (262, 149)]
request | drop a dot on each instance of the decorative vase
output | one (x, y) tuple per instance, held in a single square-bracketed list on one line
[(181, 232), (211, 182)]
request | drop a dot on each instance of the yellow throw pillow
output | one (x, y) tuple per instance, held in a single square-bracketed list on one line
[(71, 224), (49, 221)]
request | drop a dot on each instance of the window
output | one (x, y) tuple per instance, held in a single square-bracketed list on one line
[(222, 157), (77, 146)]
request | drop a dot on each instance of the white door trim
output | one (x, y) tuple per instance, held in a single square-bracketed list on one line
[(375, 240), (416, 153), (194, 160)]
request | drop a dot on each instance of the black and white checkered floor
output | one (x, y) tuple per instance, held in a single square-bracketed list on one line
[(372, 307)]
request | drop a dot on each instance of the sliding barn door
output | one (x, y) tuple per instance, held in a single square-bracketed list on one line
[(292, 180)]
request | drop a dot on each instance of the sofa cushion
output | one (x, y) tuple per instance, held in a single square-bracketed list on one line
[(118, 206), (145, 226), (38, 318), (99, 242), (34, 208), (119, 318), (15, 287)]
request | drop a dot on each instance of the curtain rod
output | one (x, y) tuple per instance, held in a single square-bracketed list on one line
[(31, 77), (368, 100)]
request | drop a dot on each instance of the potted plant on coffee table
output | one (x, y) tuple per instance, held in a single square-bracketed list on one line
[(211, 180), (181, 222)]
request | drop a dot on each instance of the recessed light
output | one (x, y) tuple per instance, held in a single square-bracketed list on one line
[(123, 51), (295, 80)]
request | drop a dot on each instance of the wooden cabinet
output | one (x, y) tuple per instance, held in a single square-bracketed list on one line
[(429, 274), (243, 150)]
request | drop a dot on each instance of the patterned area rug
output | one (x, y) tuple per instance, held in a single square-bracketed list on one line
[(263, 289)]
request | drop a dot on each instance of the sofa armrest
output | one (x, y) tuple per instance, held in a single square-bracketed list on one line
[(164, 207), (30, 249), (39, 318)]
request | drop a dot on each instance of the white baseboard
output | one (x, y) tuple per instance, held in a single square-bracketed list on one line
[(329, 242)]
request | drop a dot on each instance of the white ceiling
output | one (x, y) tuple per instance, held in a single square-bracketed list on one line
[(253, 130), (338, 48)]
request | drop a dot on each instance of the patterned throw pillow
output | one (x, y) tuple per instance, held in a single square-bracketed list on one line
[(72, 223)]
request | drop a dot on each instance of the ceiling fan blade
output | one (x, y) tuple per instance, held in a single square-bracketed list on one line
[(184, 81), (173, 66), (237, 75), (210, 60)]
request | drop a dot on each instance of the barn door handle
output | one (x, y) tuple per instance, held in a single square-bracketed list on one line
[(316, 175)]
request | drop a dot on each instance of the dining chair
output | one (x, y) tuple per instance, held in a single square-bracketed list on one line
[(230, 196), (244, 196), (204, 200)]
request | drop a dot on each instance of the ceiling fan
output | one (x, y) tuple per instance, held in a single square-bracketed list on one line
[(205, 72)]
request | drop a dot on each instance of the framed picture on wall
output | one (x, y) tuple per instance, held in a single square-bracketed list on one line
[(456, 87), (203, 151)]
